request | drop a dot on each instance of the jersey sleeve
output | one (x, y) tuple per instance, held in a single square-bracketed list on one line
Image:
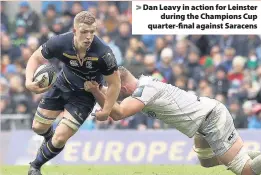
[(108, 63), (51, 48), (145, 93)]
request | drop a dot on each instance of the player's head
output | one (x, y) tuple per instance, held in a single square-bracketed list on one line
[(128, 82), (84, 29)]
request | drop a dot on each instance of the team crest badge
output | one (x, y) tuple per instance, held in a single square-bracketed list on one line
[(89, 64)]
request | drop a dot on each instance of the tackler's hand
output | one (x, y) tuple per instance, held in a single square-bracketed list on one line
[(101, 115), (91, 86)]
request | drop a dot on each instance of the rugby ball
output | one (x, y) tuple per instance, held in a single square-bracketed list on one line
[(46, 75)]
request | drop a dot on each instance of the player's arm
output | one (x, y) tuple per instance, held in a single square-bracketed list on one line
[(114, 85), (40, 56), (109, 69), (128, 107), (33, 63), (119, 111)]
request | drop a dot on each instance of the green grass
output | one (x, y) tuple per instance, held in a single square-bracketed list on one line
[(119, 170)]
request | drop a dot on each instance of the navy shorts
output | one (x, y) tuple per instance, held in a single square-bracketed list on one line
[(78, 103)]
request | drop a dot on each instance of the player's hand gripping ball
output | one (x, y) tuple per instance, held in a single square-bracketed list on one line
[(45, 75)]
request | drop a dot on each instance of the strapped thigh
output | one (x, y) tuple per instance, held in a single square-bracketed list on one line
[(71, 124), (204, 153), (43, 119), (238, 163)]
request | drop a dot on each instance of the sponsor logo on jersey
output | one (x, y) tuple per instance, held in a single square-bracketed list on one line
[(151, 114), (78, 114), (231, 136), (110, 60), (42, 101), (74, 63)]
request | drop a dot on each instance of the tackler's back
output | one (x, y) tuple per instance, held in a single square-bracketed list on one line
[(174, 106)]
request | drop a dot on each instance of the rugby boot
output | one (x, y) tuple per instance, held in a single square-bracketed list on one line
[(33, 170)]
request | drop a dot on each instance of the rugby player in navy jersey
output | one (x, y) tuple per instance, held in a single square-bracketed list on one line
[(86, 58)]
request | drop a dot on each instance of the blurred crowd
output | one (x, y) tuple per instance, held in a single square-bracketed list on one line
[(224, 67)]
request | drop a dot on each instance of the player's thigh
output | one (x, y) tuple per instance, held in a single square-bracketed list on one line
[(50, 106), (204, 152), (78, 108), (237, 159), (65, 129), (76, 112), (231, 153), (219, 131), (44, 118)]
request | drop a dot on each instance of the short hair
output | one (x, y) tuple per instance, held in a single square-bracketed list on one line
[(84, 17), (166, 52), (123, 73), (149, 58)]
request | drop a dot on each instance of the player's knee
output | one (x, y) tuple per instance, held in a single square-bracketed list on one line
[(205, 154), (42, 119), (253, 154), (64, 131), (39, 128), (240, 164), (255, 165), (206, 157), (59, 139), (247, 170)]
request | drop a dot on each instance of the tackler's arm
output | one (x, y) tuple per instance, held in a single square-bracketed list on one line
[(126, 108)]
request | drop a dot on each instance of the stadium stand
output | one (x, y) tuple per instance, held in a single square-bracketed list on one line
[(224, 67)]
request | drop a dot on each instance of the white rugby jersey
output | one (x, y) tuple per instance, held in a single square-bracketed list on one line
[(174, 106)]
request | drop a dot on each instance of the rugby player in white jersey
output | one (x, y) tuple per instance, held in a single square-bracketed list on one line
[(206, 119)]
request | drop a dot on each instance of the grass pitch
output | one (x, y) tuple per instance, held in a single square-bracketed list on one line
[(119, 170)]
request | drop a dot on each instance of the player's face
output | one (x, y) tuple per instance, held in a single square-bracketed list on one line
[(84, 34), (127, 89), (123, 92)]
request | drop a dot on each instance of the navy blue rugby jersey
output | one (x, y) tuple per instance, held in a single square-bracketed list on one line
[(98, 61)]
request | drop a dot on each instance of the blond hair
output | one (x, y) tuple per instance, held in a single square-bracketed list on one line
[(124, 73), (84, 17)]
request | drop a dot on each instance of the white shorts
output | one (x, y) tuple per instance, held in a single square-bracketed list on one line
[(218, 130)]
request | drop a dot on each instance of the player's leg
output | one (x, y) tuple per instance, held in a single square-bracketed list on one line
[(204, 152), (255, 165), (253, 154), (42, 123), (49, 108), (237, 157), (238, 160), (66, 128), (207, 157), (220, 133), (76, 111)]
